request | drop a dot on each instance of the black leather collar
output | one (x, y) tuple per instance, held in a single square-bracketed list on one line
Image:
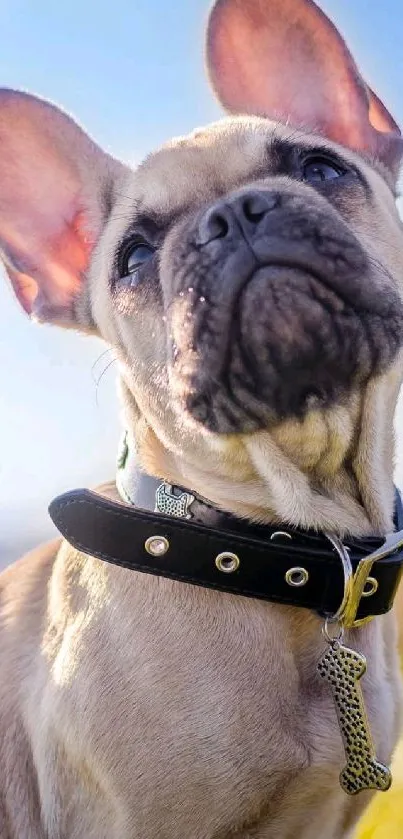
[(217, 550)]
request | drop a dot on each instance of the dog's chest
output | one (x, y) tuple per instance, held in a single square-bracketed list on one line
[(211, 705)]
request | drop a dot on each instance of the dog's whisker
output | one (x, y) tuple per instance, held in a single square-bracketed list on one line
[(97, 361), (124, 216), (381, 267), (101, 376)]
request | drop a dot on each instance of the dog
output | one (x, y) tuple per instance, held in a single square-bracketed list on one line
[(249, 280)]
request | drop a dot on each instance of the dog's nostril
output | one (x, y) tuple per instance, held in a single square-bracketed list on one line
[(214, 225), (218, 226), (255, 206)]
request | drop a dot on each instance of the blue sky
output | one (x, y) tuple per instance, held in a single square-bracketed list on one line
[(132, 74)]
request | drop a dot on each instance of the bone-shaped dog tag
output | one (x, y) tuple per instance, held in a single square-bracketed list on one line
[(342, 668)]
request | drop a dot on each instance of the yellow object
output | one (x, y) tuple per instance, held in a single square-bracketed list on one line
[(384, 817)]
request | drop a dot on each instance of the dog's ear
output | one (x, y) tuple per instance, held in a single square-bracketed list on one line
[(52, 185), (284, 59)]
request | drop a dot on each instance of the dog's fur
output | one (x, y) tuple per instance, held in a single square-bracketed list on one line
[(132, 706)]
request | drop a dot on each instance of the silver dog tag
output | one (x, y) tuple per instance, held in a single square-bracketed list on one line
[(167, 502), (342, 668)]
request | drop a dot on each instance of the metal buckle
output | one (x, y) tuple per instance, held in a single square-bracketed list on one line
[(354, 584)]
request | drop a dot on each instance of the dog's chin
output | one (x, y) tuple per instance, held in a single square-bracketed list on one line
[(286, 345), (222, 414)]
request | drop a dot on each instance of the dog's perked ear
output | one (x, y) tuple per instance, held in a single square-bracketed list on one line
[(284, 59), (52, 185)]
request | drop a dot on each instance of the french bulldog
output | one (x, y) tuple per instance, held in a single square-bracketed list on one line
[(249, 279)]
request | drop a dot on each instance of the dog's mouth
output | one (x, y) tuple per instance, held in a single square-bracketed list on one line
[(289, 339)]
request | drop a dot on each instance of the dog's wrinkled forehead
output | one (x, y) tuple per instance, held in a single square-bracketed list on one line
[(223, 156), (207, 162)]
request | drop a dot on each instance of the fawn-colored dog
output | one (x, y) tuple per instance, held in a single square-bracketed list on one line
[(249, 279)]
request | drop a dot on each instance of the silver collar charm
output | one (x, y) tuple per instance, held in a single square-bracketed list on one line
[(170, 503)]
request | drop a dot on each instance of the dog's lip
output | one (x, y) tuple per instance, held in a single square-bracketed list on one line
[(297, 265), (377, 306)]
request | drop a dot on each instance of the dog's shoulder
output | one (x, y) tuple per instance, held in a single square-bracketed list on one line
[(22, 573), (23, 597)]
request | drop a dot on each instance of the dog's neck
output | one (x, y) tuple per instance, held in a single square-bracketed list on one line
[(154, 489), (260, 477), (139, 489)]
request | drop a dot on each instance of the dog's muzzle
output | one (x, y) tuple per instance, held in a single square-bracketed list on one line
[(275, 308)]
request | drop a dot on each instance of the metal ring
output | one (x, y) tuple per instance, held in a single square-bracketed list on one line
[(371, 586), (348, 576), (296, 576), (156, 545), (227, 562), (280, 533), (332, 639)]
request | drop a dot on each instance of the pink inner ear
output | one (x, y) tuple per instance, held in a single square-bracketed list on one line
[(380, 117), (51, 176), (285, 59), (54, 267), (25, 289)]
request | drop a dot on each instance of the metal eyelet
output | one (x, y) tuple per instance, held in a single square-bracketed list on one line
[(156, 545), (371, 586), (296, 577), (281, 533), (227, 562)]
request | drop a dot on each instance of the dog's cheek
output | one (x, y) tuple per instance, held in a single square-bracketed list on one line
[(133, 323), (188, 309), (350, 197), (83, 318), (369, 208), (125, 317), (381, 233)]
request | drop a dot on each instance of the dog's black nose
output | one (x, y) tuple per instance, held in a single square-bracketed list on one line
[(228, 215)]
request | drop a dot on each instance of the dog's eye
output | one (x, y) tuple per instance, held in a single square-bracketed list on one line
[(133, 258), (137, 255), (318, 169)]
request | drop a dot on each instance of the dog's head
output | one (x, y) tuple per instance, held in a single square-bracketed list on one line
[(249, 276)]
